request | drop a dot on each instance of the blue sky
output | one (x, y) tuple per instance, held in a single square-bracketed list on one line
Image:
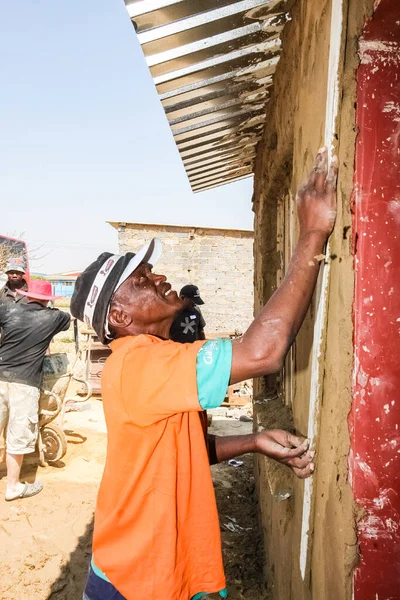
[(84, 138)]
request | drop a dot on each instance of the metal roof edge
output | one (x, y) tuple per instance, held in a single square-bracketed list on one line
[(212, 63), (137, 225)]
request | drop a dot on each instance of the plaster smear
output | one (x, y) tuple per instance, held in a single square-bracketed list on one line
[(392, 107), (376, 51), (376, 528), (394, 209)]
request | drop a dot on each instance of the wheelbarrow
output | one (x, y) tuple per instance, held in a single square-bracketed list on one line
[(54, 400)]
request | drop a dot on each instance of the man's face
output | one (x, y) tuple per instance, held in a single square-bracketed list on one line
[(15, 278), (147, 297)]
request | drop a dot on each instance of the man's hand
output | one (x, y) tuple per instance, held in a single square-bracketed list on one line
[(287, 449), (280, 445), (316, 200)]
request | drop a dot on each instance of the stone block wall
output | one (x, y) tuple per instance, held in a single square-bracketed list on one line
[(218, 261)]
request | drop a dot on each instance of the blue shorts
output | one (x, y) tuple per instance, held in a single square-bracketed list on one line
[(100, 589)]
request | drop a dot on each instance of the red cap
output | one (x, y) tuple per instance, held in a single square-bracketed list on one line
[(39, 289)]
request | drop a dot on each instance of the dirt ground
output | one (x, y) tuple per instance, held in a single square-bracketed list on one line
[(45, 541)]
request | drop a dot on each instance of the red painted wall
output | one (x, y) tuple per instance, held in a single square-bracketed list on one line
[(375, 416)]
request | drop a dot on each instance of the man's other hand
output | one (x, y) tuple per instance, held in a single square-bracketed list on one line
[(287, 449)]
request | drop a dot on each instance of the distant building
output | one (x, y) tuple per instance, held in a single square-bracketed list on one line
[(218, 261), (63, 283)]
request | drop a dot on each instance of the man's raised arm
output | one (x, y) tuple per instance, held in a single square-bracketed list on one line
[(263, 347)]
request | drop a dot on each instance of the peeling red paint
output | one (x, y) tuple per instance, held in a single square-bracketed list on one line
[(375, 417)]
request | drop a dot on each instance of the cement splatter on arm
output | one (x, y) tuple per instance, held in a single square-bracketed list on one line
[(262, 349)]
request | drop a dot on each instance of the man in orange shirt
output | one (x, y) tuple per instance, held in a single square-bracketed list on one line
[(156, 534)]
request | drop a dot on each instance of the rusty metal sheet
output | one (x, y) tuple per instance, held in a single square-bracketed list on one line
[(212, 63)]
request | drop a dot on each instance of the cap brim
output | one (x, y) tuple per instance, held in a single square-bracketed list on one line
[(149, 253), (198, 301), (16, 270), (37, 296)]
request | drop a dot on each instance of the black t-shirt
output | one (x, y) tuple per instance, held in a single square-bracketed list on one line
[(27, 330), (188, 326)]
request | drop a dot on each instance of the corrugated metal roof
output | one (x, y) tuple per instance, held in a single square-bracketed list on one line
[(212, 62)]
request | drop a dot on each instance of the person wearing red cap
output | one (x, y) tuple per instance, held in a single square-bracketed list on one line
[(27, 330)]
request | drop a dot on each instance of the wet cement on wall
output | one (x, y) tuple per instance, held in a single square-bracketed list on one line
[(294, 131)]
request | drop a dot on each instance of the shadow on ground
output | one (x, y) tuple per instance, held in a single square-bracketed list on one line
[(72, 579), (241, 533)]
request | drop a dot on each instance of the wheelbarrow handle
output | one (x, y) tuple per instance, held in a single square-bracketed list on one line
[(76, 336), (51, 413)]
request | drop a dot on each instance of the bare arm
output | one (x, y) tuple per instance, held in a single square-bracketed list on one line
[(279, 445), (263, 347)]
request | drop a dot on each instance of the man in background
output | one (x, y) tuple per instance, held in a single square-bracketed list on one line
[(15, 281), (189, 323), (27, 330)]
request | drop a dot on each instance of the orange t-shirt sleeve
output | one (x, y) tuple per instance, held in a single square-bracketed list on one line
[(159, 380)]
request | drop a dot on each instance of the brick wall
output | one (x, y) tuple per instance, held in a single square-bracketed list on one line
[(218, 261)]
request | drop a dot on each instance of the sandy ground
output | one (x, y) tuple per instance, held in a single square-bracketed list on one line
[(45, 541)]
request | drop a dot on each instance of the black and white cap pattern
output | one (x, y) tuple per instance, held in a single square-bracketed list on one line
[(96, 285)]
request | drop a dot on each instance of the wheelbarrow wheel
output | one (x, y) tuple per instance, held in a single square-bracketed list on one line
[(54, 443)]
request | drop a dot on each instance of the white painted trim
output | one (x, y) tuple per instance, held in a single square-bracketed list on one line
[(314, 407), (332, 104)]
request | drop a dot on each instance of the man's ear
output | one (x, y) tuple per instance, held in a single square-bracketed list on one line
[(119, 318)]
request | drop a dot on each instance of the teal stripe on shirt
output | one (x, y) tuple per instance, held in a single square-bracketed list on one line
[(222, 593), (213, 370), (98, 571)]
